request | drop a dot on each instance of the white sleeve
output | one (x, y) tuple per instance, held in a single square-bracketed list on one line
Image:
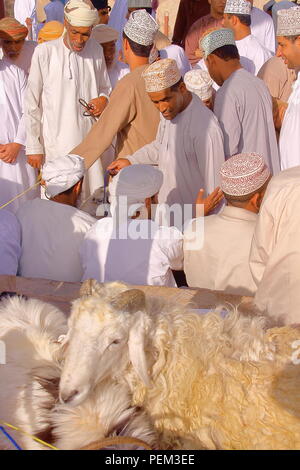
[(105, 88), (172, 245), (21, 132), (149, 154), (226, 112), (210, 155), (33, 106)]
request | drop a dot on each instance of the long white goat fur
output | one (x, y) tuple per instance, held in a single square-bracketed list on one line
[(215, 383)]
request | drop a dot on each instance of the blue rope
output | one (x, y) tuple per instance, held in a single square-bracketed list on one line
[(10, 438)]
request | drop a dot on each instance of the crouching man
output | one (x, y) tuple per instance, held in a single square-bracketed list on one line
[(129, 246), (52, 230)]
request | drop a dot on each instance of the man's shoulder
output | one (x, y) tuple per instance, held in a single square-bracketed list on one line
[(201, 23)]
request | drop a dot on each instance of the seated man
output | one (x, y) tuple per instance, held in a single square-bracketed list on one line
[(129, 246), (53, 230), (10, 243), (223, 261)]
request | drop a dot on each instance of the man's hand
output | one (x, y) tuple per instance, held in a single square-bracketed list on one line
[(97, 106), (36, 161), (210, 202), (117, 165), (9, 152), (279, 109)]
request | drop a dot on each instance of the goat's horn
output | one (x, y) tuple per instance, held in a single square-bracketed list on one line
[(90, 287), (130, 301)]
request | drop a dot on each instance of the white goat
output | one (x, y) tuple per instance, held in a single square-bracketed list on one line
[(30, 330), (29, 386), (207, 382)]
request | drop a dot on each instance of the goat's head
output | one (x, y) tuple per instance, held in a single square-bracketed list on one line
[(105, 334)]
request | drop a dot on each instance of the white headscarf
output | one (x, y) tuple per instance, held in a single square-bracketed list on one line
[(62, 173), (131, 186), (81, 13), (178, 54)]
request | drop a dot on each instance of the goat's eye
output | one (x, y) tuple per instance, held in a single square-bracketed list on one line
[(116, 341)]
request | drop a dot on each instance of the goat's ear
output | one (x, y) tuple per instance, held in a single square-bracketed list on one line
[(131, 301), (136, 346), (90, 287)]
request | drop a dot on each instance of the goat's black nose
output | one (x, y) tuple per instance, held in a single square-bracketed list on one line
[(68, 397)]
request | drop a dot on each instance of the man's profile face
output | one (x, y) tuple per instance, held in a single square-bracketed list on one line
[(218, 6), (227, 21), (168, 102), (289, 50), (212, 65), (11, 48), (109, 51), (77, 36)]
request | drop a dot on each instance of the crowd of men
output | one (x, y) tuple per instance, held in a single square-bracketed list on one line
[(124, 156)]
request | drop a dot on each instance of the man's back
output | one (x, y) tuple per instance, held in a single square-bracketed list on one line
[(252, 49), (145, 254), (51, 237), (243, 106), (223, 262)]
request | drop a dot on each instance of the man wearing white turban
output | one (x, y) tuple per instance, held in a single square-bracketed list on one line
[(52, 230), (63, 72), (129, 246)]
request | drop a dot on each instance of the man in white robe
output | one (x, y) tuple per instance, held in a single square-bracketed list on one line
[(25, 10), (129, 246), (15, 174), (189, 144), (288, 36), (62, 72), (262, 27), (237, 16), (243, 104), (10, 243), (13, 45), (107, 38), (222, 262), (52, 230), (275, 252)]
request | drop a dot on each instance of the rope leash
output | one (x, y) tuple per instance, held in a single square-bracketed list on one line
[(28, 435), (10, 438), (24, 192)]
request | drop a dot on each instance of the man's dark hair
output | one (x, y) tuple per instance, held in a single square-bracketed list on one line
[(292, 38), (227, 52), (244, 19), (138, 49), (176, 85)]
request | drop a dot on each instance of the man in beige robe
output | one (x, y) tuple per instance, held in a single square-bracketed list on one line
[(130, 114), (222, 263), (275, 252)]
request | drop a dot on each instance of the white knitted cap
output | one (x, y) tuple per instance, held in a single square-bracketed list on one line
[(141, 28), (238, 7), (288, 22), (215, 39), (161, 75), (199, 82)]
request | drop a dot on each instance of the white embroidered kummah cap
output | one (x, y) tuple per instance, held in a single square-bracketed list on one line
[(81, 13), (268, 6), (199, 82), (136, 182), (243, 174), (139, 3), (288, 22), (161, 75), (62, 174), (238, 7), (141, 28), (216, 39), (103, 33)]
